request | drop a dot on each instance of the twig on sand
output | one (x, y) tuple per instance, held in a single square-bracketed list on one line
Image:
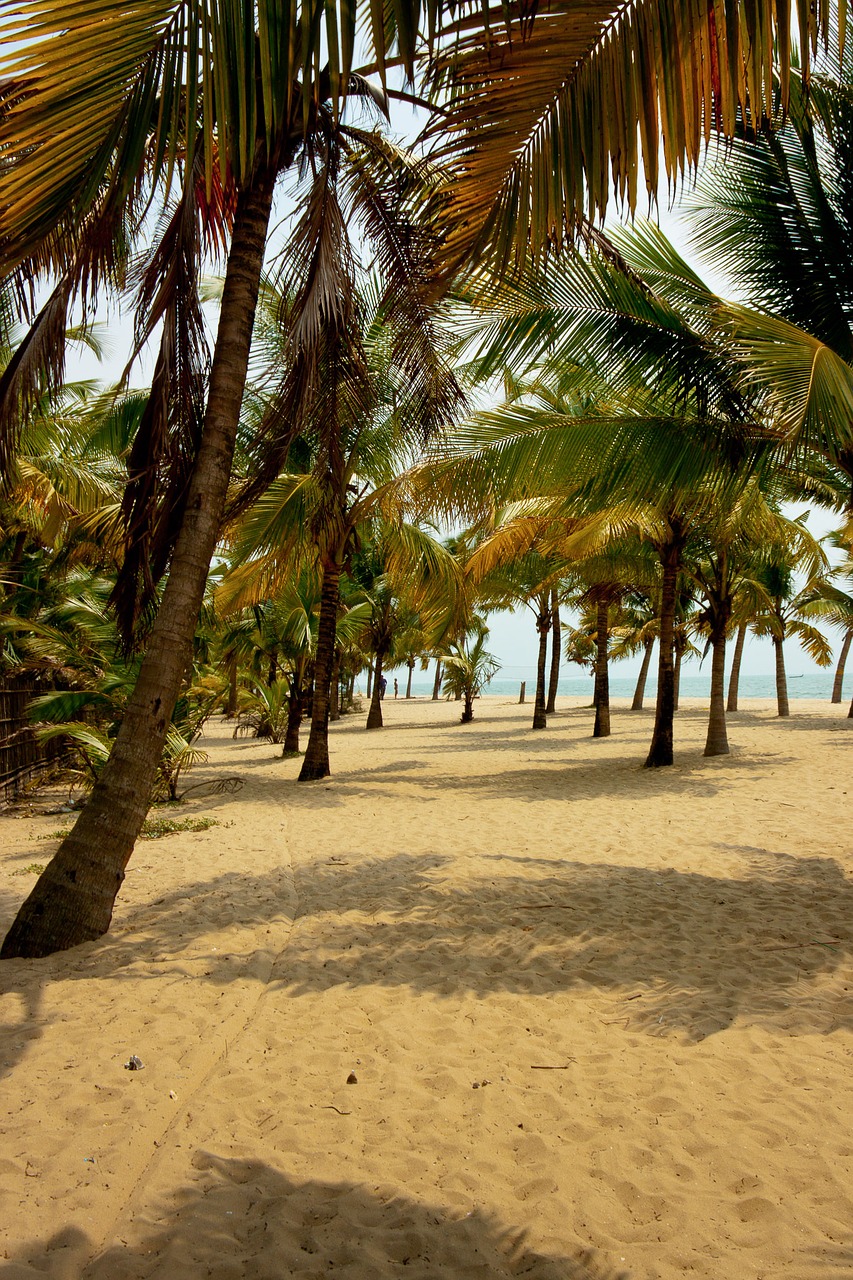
[(793, 946), (543, 906), (328, 1106), (535, 1066)]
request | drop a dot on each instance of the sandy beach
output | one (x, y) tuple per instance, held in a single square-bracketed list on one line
[(599, 1020)]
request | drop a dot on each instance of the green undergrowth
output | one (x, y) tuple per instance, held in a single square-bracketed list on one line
[(152, 829)]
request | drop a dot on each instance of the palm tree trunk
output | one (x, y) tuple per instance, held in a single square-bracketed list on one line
[(369, 679), (468, 710), (556, 640), (316, 762), (734, 677), (334, 688), (543, 626), (676, 680), (436, 688), (640, 691), (72, 901), (409, 681), (838, 682), (601, 728), (294, 719), (660, 751), (717, 742), (374, 714), (781, 679), (231, 705)]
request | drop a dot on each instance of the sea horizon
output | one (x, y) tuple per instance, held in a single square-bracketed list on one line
[(810, 685)]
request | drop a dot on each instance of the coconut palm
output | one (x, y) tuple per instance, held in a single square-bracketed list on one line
[(783, 617), (468, 666), (635, 631)]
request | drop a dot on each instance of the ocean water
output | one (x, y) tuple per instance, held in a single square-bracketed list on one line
[(812, 685)]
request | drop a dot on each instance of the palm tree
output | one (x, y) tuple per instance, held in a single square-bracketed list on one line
[(783, 616), (831, 598), (215, 104), (468, 666), (635, 631)]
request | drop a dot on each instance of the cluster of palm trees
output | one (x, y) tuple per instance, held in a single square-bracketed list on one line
[(643, 420)]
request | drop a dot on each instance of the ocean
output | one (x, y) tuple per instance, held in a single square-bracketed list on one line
[(812, 685)]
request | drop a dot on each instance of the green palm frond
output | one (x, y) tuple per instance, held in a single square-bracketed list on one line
[(808, 388), (541, 126)]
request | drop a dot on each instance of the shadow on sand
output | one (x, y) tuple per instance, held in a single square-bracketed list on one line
[(679, 953), (245, 1218)]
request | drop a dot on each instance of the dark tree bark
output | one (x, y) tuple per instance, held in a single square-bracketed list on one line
[(468, 710), (294, 719), (231, 705), (436, 688), (640, 690), (411, 665), (369, 680), (838, 682), (556, 640), (734, 676), (374, 714), (72, 901), (272, 674), (601, 728), (334, 689), (316, 760), (782, 707), (543, 626), (680, 645), (660, 751), (717, 742)]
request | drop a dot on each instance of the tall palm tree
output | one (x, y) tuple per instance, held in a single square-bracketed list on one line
[(783, 617)]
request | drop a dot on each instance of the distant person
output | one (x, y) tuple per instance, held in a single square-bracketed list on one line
[(395, 689), (383, 685)]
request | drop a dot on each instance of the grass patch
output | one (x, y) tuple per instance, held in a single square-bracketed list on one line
[(34, 869), (156, 828), (152, 829)]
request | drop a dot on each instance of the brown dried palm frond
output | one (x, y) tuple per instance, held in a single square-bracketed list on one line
[(161, 459)]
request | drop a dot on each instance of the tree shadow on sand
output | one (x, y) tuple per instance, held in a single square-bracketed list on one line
[(245, 1218), (676, 953)]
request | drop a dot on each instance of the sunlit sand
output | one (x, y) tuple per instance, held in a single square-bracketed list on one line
[(598, 1018)]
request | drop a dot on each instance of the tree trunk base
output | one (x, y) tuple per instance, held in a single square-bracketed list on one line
[(313, 770), (66, 908), (660, 756)]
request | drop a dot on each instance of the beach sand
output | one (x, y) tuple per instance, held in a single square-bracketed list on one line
[(599, 1017)]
